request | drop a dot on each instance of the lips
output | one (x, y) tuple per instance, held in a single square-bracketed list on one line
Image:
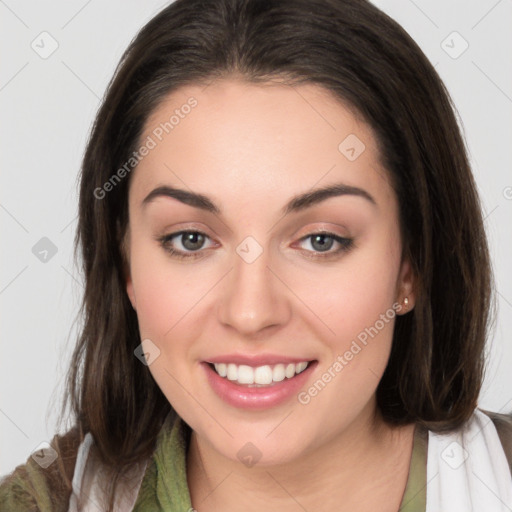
[(252, 384)]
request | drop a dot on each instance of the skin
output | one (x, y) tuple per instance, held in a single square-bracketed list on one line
[(250, 148)]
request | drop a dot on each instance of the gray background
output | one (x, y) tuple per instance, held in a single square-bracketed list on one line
[(47, 107)]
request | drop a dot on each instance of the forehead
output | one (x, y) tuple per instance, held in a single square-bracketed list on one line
[(271, 139)]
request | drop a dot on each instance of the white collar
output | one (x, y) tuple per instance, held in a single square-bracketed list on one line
[(467, 470)]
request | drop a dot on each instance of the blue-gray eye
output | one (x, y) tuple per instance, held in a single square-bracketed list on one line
[(322, 242), (192, 240)]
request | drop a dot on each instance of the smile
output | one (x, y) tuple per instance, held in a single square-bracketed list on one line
[(261, 375), (257, 386)]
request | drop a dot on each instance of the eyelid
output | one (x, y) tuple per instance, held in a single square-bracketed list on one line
[(330, 228)]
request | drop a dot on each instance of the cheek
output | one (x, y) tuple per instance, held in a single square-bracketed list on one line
[(161, 295), (155, 300), (354, 295), (354, 305), (165, 298)]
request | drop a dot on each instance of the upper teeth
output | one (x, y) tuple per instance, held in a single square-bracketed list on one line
[(267, 374)]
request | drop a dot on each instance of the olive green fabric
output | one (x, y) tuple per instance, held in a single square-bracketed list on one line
[(415, 495), (31, 487), (164, 487)]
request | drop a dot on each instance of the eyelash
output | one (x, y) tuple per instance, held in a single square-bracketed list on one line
[(346, 244)]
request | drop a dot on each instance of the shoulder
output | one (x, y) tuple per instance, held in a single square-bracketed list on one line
[(503, 424), (32, 487), (503, 419)]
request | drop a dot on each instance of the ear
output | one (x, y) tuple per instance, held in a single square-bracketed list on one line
[(125, 253), (406, 285)]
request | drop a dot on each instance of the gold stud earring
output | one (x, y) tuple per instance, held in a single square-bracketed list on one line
[(406, 303)]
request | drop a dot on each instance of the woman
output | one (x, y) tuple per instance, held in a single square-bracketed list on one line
[(287, 277)]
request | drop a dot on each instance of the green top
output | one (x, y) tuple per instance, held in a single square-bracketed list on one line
[(415, 495), (164, 487)]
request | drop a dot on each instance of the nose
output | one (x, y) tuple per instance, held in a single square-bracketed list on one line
[(253, 299)]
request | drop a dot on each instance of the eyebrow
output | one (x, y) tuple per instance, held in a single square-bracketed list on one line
[(296, 204)]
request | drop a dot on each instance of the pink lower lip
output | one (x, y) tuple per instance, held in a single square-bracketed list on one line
[(256, 398)]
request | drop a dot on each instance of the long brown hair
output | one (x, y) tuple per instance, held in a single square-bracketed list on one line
[(368, 61)]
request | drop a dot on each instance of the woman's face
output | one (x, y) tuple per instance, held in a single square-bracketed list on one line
[(255, 286)]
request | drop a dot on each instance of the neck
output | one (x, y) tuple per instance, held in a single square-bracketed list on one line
[(358, 468)]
